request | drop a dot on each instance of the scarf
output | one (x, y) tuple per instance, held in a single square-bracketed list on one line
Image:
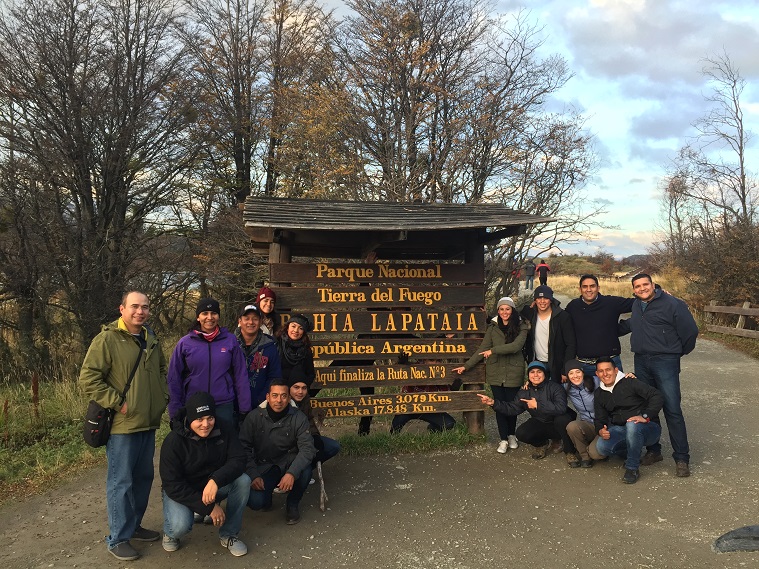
[(294, 351), (211, 336)]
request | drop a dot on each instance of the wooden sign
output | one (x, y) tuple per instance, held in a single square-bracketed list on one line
[(427, 349), (398, 403), (395, 322), (394, 375), (379, 296), (337, 273)]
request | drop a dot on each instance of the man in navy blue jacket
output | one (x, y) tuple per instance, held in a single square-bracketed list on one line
[(261, 354), (663, 330)]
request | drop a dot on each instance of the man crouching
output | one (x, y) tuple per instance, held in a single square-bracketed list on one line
[(279, 449), (201, 464)]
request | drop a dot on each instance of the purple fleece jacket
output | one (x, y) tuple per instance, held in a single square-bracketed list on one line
[(217, 367)]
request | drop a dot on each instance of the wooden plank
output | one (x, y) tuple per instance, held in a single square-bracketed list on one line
[(398, 403), (394, 375), (745, 311), (394, 322), (342, 273), (350, 298), (742, 318), (385, 349), (733, 331)]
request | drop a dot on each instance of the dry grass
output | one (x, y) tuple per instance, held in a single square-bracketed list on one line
[(568, 285)]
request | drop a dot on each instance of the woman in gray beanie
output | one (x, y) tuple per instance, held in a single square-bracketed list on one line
[(501, 349)]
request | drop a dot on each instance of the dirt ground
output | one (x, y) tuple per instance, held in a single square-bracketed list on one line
[(468, 508)]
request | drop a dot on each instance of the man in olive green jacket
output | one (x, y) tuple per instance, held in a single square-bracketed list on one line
[(105, 371)]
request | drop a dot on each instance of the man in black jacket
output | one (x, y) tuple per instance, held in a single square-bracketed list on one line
[(626, 417), (201, 464), (279, 450), (551, 339)]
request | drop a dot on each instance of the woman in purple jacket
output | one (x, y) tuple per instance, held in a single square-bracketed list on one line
[(209, 359)]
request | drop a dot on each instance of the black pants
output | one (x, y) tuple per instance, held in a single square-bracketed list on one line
[(507, 424), (436, 421), (537, 433)]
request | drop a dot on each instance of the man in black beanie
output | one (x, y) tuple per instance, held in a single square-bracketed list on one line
[(202, 463)]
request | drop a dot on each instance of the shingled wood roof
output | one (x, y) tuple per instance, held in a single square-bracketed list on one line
[(392, 230)]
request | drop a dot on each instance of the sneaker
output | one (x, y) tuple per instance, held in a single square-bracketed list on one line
[(682, 469), (124, 552), (170, 543), (503, 447), (278, 491), (631, 476), (513, 442), (197, 518), (540, 452), (651, 458), (557, 447), (586, 463), (142, 534), (235, 546), (572, 460), (293, 515), (312, 481)]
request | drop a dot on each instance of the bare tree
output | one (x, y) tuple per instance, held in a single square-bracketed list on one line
[(101, 100)]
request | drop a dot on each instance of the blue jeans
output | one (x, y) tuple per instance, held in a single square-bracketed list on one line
[(627, 441), (529, 280), (128, 483), (178, 518), (663, 372), (590, 369), (331, 448), (261, 499)]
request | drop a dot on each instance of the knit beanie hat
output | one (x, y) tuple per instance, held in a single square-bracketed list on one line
[(207, 305), (537, 365), (199, 405), (572, 364), (266, 292), (543, 291), (302, 320), (506, 300)]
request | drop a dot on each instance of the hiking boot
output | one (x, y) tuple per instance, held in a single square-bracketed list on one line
[(513, 442), (540, 452), (572, 460), (170, 543), (650, 458), (503, 447), (682, 469), (235, 546), (124, 552), (557, 447), (293, 515), (142, 534), (631, 476), (586, 463)]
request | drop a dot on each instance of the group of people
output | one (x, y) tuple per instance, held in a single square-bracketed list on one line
[(242, 426), (578, 397), (241, 422)]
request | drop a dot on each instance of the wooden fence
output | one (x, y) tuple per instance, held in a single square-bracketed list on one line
[(741, 312)]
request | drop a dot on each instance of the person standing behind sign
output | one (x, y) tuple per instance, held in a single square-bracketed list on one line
[(266, 299), (209, 359), (294, 347), (501, 348)]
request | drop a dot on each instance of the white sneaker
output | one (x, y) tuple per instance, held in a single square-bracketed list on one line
[(513, 442), (235, 546), (312, 481), (170, 543), (503, 447)]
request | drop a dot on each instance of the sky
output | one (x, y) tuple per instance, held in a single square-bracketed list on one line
[(638, 79)]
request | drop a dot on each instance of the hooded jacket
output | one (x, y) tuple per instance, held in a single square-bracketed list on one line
[(105, 371), (561, 338), (188, 462), (550, 396), (263, 366), (505, 367), (217, 367), (583, 400), (666, 326), (286, 443), (628, 398)]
